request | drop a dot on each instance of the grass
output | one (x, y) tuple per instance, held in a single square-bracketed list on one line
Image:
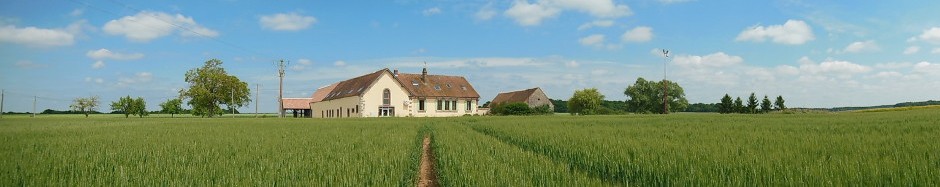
[(884, 148)]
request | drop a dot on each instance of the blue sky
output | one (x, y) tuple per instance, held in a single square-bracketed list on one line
[(814, 53)]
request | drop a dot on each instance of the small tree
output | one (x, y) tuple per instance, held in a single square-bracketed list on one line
[(726, 105), (172, 106), (752, 103), (85, 105), (739, 105), (124, 104), (779, 103), (140, 107), (585, 102), (765, 105)]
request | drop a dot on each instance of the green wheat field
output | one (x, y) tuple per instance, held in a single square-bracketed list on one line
[(872, 148)]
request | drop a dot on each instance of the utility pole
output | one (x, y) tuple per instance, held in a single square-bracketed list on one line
[(665, 84), (3, 93), (34, 106), (232, 106), (257, 92), (280, 91)]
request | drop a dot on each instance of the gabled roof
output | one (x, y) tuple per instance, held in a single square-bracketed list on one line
[(296, 103), (355, 86), (514, 96), (437, 86), (321, 92)]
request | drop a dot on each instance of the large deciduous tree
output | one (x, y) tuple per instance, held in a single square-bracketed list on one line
[(130, 106), (210, 86), (172, 106), (585, 102), (85, 104), (647, 96)]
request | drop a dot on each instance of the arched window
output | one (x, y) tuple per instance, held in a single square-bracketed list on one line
[(387, 97)]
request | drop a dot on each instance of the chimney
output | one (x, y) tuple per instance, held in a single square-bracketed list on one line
[(395, 72), (424, 74)]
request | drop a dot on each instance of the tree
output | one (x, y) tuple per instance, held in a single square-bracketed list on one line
[(726, 106), (172, 106), (779, 103), (85, 105), (647, 96), (585, 102), (210, 86), (123, 104), (139, 107), (738, 105), (765, 105), (752, 104)]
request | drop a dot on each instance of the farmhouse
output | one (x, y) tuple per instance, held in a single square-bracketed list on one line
[(385, 93), (534, 97)]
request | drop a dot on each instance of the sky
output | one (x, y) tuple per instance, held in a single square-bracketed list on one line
[(813, 53)]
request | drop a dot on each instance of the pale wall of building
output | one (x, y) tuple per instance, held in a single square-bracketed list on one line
[(431, 109), (337, 108), (372, 98)]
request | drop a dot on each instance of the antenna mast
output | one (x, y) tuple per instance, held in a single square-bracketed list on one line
[(665, 83)]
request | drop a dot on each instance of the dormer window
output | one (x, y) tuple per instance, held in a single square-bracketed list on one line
[(448, 85), (414, 82), (437, 87), (463, 87)]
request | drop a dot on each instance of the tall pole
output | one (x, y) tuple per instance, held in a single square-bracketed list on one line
[(34, 106), (280, 90), (257, 91), (233, 102), (3, 93), (665, 84)]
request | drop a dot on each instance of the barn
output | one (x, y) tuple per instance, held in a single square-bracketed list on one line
[(534, 97)]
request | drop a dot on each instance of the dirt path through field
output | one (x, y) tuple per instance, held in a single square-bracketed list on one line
[(427, 175)]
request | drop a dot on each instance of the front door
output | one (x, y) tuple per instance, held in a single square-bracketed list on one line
[(386, 111)]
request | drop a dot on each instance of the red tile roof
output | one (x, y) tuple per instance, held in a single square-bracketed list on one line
[(437, 86), (321, 92), (354, 86), (296, 103), (514, 96)]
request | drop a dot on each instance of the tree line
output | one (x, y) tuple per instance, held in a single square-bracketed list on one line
[(644, 97), (727, 105)]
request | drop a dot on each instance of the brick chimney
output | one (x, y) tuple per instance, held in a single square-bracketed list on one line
[(395, 73)]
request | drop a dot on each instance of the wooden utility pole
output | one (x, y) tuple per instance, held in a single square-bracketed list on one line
[(3, 93), (34, 106), (665, 84), (232, 106), (257, 92), (280, 91)]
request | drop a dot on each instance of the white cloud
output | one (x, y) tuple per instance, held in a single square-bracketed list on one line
[(431, 11), (861, 46), (77, 12), (719, 59), (793, 32), (592, 40), (140, 77), (302, 64), (286, 22), (102, 54), (931, 35), (596, 23), (787, 70), (485, 13), (26, 64), (894, 65), (339, 63), (572, 64), (834, 66), (911, 50), (935, 51), (95, 80), (638, 34), (98, 65), (146, 26), (531, 14), (888, 74), (673, 1), (927, 68), (36, 37)]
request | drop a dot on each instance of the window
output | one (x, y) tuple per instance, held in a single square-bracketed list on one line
[(437, 87), (357, 109), (421, 105), (386, 97), (453, 104), (448, 85), (440, 104), (446, 105), (463, 87), (414, 82), (468, 105)]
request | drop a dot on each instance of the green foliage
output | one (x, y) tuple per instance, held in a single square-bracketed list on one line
[(542, 110), (765, 105), (703, 107), (518, 109), (129, 106), (647, 96), (779, 103), (752, 104), (172, 107), (739, 106), (727, 105), (140, 107), (210, 86), (561, 106), (585, 102), (85, 105)]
